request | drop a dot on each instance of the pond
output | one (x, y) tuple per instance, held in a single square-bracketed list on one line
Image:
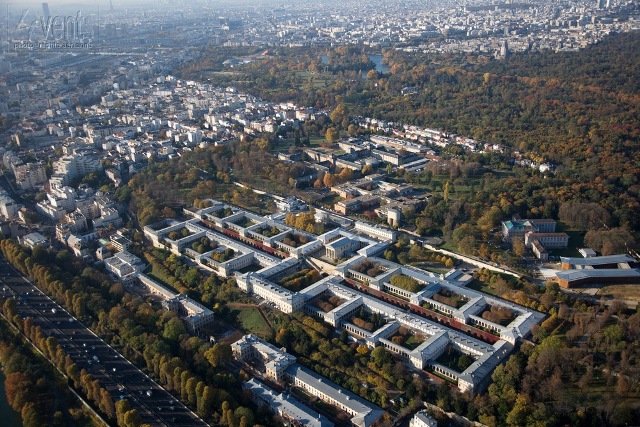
[(376, 59), (380, 67)]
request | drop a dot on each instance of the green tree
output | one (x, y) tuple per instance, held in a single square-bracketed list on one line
[(219, 354), (174, 329)]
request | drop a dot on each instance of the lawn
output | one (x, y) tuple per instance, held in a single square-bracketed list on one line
[(244, 222), (432, 267), (576, 241), (249, 320), (315, 141), (455, 360), (157, 275), (621, 292), (330, 199), (483, 287), (407, 339), (414, 341)]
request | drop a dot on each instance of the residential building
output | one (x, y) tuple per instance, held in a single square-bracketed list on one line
[(423, 419), (30, 175)]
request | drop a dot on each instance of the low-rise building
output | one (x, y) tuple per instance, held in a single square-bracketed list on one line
[(34, 239), (281, 367), (291, 204), (517, 228), (423, 419), (608, 276), (195, 315), (288, 408), (598, 262), (125, 266)]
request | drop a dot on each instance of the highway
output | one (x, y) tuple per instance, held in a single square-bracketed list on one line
[(120, 377)]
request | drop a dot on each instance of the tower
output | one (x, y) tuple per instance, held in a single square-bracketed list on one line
[(504, 50), (45, 11)]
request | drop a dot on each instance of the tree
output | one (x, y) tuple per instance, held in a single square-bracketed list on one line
[(372, 75), (380, 356), (445, 190), (609, 242), (328, 180), (367, 169), (244, 412), (18, 388), (173, 329), (205, 402), (332, 135), (132, 418), (339, 113), (262, 143), (191, 390), (30, 415), (490, 219), (106, 404), (518, 247), (219, 355), (520, 412)]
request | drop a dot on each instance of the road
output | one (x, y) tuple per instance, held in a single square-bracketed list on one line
[(120, 377)]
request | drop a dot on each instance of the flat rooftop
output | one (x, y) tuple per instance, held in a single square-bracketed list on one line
[(573, 275), (598, 260)]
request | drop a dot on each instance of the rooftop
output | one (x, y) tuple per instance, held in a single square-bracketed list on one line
[(366, 413), (283, 404), (574, 275), (598, 260)]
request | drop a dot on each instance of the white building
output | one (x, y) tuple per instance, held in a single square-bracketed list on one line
[(30, 175), (125, 266), (422, 419), (8, 207), (281, 367), (292, 411), (35, 239), (195, 315), (68, 168)]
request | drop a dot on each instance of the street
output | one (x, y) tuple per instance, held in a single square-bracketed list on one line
[(116, 374)]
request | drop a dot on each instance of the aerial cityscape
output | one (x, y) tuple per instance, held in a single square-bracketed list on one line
[(367, 213)]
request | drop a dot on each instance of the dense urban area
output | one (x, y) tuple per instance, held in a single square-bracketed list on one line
[(378, 213)]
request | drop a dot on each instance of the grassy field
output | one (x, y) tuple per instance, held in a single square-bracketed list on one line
[(621, 292), (158, 276), (316, 141), (432, 267), (249, 320), (483, 287)]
